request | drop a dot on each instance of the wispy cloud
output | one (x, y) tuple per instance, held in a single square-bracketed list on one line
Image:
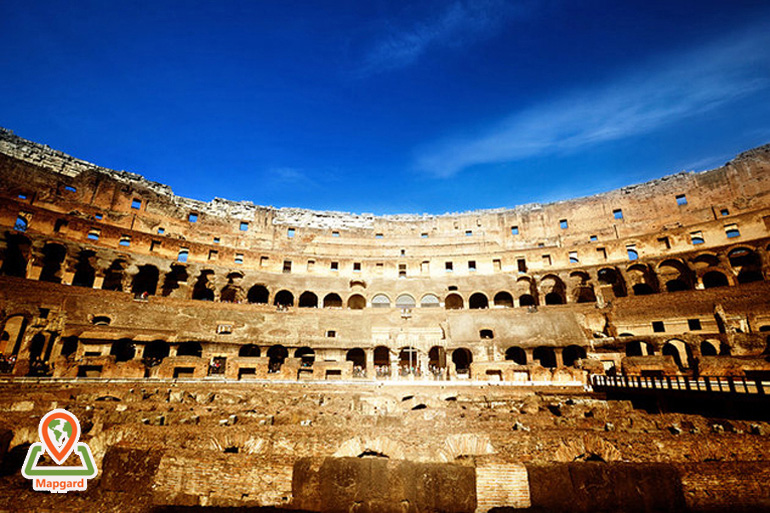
[(461, 21), (656, 94)]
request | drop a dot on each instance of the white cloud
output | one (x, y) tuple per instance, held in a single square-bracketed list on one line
[(639, 102), (460, 21)]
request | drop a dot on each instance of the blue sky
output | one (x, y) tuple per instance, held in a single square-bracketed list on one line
[(390, 107)]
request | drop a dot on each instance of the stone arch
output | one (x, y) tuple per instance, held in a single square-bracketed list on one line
[(17, 252), (276, 355), (640, 279), (115, 276), (15, 326), (611, 280), (462, 359), (409, 360), (36, 347), (478, 301), (713, 279), (178, 274), (454, 301), (709, 348), (503, 299), (553, 290), (357, 356), (308, 300), (582, 291), (53, 258), (233, 292), (545, 356), (465, 445), (332, 300), (155, 352), (203, 290), (123, 350), (356, 302), (283, 298), (679, 350), (571, 354), (358, 447), (405, 301), (258, 294), (437, 358), (430, 301), (674, 275), (380, 301), (382, 360), (639, 348), (516, 355), (746, 263), (146, 280), (249, 351), (306, 356), (85, 274)]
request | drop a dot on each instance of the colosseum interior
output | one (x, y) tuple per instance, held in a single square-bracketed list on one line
[(607, 353)]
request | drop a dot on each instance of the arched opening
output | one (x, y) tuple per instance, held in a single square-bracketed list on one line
[(177, 274), (611, 277), (380, 301), (155, 352), (582, 291), (17, 252), (276, 355), (679, 351), (676, 286), (84, 271), (553, 290), (306, 356), (189, 349), (308, 300), (571, 354), (545, 356), (258, 294), (101, 320), (453, 302), (114, 276), (639, 348), (714, 279), (503, 300), (15, 327), (526, 300), (284, 298), (478, 301), (332, 301), (436, 360), (405, 301), (233, 292), (709, 348), (203, 290), (145, 281), (249, 351), (429, 301), (409, 361), (382, 361), (123, 350), (462, 359), (747, 263), (356, 302), (36, 347), (358, 357), (642, 289), (516, 355), (53, 257)]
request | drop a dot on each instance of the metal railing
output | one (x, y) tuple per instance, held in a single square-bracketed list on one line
[(683, 383)]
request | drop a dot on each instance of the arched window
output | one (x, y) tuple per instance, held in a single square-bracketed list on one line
[(358, 357), (714, 279), (462, 358), (308, 300), (453, 302), (429, 301), (258, 294), (332, 301), (517, 355), (249, 351), (405, 301), (571, 354), (478, 301), (356, 302), (284, 298), (380, 301), (545, 356), (503, 299), (277, 354), (189, 349)]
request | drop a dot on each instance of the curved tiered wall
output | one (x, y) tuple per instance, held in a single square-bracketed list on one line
[(107, 274)]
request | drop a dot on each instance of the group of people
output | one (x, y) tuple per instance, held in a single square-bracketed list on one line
[(7, 363)]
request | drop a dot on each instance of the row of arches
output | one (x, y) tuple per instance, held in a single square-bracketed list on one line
[(739, 265)]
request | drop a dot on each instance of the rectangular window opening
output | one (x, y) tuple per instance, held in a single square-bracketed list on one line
[(335, 234), (335, 266), (290, 233), (468, 233), (658, 327), (563, 224), (244, 226), (136, 204), (693, 324), (125, 240), (593, 238), (154, 245), (664, 242), (448, 267), (472, 265), (521, 265), (602, 252), (213, 254), (239, 258), (618, 213), (356, 267), (681, 200), (183, 254), (514, 230), (161, 231), (731, 230), (546, 259), (287, 266), (192, 217), (573, 257), (696, 238), (497, 264), (93, 234), (631, 251)]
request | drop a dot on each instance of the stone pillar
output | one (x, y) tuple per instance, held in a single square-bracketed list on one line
[(394, 368), (67, 277), (559, 356), (370, 372), (98, 281)]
